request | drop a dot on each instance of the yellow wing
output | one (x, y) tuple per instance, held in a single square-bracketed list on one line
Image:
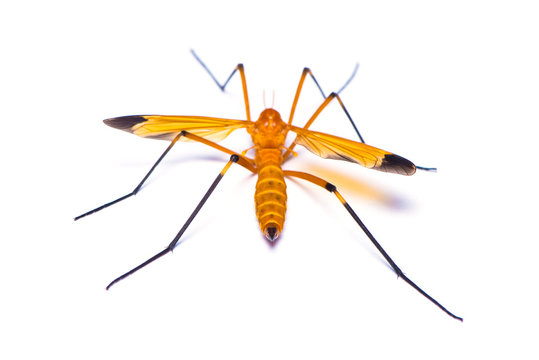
[(334, 147), (167, 127)]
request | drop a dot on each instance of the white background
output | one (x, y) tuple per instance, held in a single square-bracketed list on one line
[(447, 84)]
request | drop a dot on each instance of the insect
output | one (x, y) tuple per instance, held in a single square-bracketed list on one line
[(268, 135)]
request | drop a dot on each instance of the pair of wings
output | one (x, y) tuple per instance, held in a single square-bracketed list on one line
[(215, 129)]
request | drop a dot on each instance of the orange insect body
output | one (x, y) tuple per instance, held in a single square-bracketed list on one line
[(268, 134)]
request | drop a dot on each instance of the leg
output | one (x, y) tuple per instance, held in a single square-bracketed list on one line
[(234, 158), (332, 95), (136, 190), (323, 106), (315, 115), (331, 188), (245, 162), (239, 68)]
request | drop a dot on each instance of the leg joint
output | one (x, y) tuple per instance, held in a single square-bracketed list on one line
[(330, 187)]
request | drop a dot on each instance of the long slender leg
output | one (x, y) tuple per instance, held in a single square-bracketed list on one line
[(333, 189), (245, 162), (307, 71), (326, 102), (241, 70), (234, 158), (137, 188)]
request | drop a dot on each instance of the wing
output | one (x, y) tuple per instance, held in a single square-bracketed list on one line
[(167, 127), (334, 147)]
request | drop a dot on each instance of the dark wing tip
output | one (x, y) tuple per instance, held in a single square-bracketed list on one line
[(396, 164), (125, 123)]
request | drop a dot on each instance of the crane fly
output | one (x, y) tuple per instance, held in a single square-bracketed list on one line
[(268, 134)]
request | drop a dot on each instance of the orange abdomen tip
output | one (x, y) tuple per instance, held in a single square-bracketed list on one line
[(270, 197)]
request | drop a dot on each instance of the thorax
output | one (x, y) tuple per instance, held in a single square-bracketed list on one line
[(268, 134)]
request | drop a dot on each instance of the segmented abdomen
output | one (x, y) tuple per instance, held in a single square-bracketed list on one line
[(270, 193)]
